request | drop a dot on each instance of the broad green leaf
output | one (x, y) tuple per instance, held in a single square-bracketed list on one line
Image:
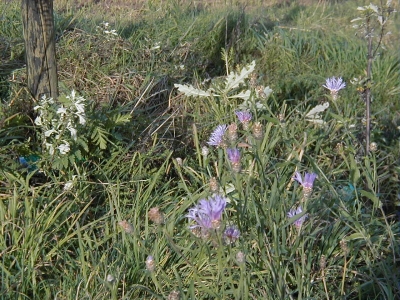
[(372, 197), (354, 171), (354, 236)]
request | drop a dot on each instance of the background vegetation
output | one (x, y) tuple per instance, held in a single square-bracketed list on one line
[(78, 225)]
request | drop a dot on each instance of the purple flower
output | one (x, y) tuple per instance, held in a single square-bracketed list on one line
[(234, 158), (207, 213), (294, 212), (233, 155), (231, 234), (334, 85), (308, 181), (244, 116), (217, 137)]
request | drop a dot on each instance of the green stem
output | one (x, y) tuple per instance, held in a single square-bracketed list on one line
[(344, 274)]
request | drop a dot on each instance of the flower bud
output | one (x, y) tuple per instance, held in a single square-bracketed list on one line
[(156, 216), (150, 263), (214, 186), (240, 257), (258, 131), (126, 226)]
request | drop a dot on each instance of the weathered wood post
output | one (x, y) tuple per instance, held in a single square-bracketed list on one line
[(38, 24)]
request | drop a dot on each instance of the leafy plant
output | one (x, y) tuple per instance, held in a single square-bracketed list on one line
[(69, 135), (373, 27)]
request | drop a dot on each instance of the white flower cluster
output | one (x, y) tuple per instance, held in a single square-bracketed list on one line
[(55, 119), (70, 184), (105, 29)]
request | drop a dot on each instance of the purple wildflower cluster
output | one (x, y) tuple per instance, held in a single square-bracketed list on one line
[(307, 183), (207, 213), (207, 217), (224, 136), (218, 138)]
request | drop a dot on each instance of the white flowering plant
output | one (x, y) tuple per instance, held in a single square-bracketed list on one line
[(61, 125), (72, 130), (234, 86), (105, 30)]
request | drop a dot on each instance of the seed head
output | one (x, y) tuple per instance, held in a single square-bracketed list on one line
[(156, 216), (110, 278), (232, 133), (126, 226), (322, 262), (150, 263), (214, 186), (343, 245), (174, 295), (205, 151), (373, 147), (240, 257), (258, 131)]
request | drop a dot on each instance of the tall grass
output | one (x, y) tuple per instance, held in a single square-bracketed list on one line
[(85, 229)]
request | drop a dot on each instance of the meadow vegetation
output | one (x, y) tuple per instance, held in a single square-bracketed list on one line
[(194, 153)]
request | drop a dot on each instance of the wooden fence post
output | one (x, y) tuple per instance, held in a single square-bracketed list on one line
[(38, 24)]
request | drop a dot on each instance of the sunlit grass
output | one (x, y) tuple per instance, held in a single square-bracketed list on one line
[(83, 228)]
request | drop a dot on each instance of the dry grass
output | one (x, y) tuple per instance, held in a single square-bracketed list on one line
[(128, 9)]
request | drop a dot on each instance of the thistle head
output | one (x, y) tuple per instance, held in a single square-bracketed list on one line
[(207, 214), (217, 136), (334, 85), (232, 133), (156, 216), (244, 116), (258, 131), (231, 234), (234, 158), (307, 183), (294, 212), (150, 263)]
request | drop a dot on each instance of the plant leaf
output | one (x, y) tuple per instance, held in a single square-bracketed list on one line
[(233, 79), (99, 136), (189, 90), (314, 113), (371, 197), (243, 95)]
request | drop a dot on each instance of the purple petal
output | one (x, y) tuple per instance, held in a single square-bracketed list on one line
[(298, 177)]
